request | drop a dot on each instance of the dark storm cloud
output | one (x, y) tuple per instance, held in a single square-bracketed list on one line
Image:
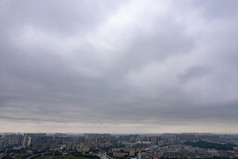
[(90, 63)]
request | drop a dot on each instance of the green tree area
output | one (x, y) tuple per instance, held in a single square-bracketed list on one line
[(15, 156), (61, 157), (74, 155), (205, 144)]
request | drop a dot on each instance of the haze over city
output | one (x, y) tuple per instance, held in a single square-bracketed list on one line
[(118, 66)]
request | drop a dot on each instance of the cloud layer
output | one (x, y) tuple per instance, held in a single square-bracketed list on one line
[(120, 67)]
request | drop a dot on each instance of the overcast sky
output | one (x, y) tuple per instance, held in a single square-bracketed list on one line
[(140, 66)]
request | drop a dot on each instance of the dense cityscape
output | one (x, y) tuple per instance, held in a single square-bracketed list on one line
[(108, 146)]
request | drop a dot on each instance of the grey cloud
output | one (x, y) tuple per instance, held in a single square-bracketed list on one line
[(71, 62), (193, 73), (217, 9)]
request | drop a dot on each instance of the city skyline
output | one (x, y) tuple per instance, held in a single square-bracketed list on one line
[(108, 146), (118, 66)]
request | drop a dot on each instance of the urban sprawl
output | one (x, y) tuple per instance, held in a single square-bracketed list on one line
[(108, 146)]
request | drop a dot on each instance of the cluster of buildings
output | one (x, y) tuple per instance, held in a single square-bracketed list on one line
[(14, 141), (121, 146)]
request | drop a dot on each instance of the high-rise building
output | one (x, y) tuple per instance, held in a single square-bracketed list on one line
[(139, 155), (26, 141)]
